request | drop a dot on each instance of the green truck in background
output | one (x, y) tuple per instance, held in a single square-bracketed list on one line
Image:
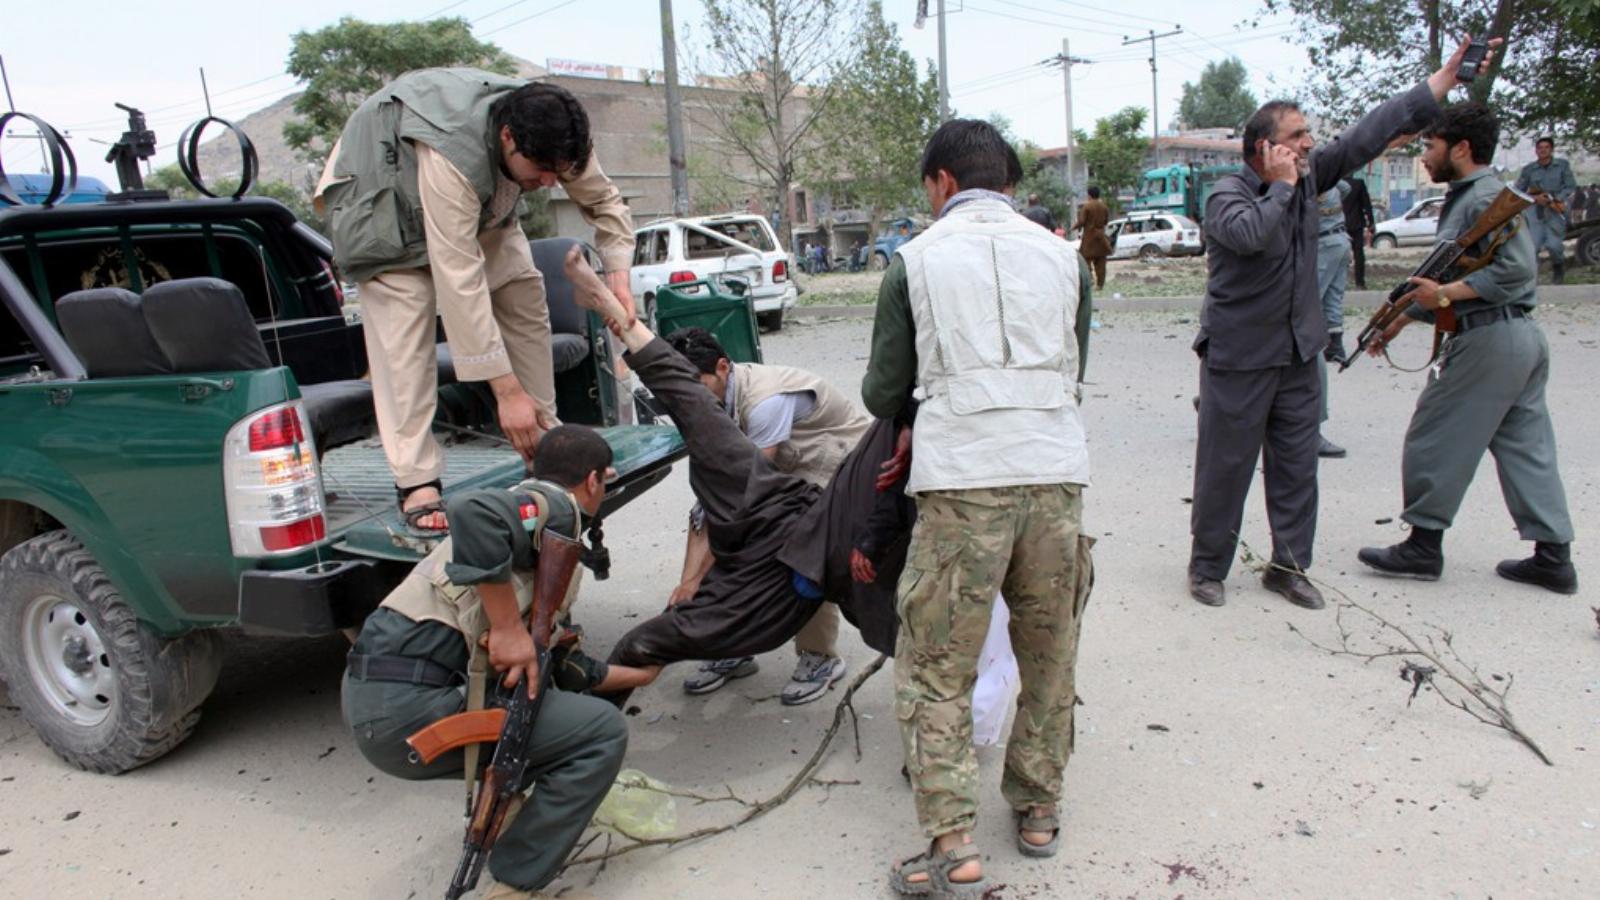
[(189, 446), (1180, 188)]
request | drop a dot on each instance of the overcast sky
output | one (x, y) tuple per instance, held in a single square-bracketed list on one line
[(69, 60)]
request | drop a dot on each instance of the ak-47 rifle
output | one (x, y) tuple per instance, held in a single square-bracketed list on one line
[(510, 726), (1447, 262)]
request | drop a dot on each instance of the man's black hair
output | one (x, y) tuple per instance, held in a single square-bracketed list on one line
[(1472, 122), (548, 125), (1545, 139), (568, 454), (972, 151), (699, 347), (1263, 124), (1013, 167), (1094, 192), (1033, 199)]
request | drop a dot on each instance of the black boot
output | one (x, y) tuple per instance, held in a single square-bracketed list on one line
[(1419, 556), (1334, 352), (1549, 567), (1558, 273)]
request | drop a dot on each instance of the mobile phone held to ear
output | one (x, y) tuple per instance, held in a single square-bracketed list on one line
[(1472, 60)]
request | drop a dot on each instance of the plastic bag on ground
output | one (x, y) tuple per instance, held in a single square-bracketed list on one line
[(637, 806)]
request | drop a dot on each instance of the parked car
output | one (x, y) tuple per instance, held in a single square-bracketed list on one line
[(1418, 226), (742, 247), (1154, 235)]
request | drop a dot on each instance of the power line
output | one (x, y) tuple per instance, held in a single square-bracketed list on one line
[(527, 18)]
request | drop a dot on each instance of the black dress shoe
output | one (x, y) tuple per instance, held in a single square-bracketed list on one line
[(1207, 591), (1405, 558), (1329, 450), (1293, 586), (1550, 567)]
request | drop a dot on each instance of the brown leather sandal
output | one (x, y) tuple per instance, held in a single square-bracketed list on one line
[(414, 516)]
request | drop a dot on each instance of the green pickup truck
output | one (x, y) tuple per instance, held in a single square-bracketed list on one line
[(189, 446)]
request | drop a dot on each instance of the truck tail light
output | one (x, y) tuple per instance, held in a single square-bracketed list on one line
[(780, 271), (272, 483)]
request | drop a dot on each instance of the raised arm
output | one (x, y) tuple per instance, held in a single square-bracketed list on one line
[(1411, 111)]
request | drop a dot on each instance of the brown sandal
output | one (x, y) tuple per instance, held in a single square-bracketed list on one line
[(414, 516), (938, 865)]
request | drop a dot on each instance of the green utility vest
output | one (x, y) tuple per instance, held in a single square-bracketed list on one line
[(374, 207)]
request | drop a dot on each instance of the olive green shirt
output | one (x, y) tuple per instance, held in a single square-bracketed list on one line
[(892, 367)]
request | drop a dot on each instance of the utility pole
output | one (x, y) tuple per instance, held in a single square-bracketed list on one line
[(944, 78), (1066, 60), (676, 158), (1152, 37), (944, 74)]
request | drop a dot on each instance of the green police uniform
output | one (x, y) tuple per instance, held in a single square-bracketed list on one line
[(409, 669), (1549, 227), (1487, 392)]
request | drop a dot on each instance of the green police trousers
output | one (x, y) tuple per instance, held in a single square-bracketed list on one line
[(578, 746)]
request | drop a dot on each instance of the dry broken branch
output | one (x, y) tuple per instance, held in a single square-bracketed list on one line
[(753, 811), (1451, 678)]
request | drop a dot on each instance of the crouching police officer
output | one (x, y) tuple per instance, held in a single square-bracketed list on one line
[(463, 610)]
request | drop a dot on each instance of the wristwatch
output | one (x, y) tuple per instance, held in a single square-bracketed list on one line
[(1443, 298)]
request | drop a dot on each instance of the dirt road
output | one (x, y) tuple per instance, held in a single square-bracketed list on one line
[(1217, 754)]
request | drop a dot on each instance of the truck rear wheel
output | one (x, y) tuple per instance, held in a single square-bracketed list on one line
[(102, 690)]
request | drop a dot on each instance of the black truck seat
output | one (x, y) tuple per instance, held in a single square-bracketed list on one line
[(105, 327), (569, 323), (204, 325)]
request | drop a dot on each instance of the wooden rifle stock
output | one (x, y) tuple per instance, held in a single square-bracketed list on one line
[(501, 782), (1447, 257)]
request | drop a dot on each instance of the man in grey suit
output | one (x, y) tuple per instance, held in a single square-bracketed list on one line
[(1262, 328)]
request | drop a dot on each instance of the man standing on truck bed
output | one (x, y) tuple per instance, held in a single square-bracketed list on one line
[(422, 193)]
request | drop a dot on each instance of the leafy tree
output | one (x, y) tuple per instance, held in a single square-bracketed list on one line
[(1541, 80), (783, 59), (171, 180), (1220, 99), (873, 132), (1115, 152), (344, 63), (1055, 194)]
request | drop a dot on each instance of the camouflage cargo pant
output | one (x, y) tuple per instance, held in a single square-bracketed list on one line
[(967, 546)]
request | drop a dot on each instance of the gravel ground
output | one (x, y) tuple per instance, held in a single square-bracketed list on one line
[(1217, 753)]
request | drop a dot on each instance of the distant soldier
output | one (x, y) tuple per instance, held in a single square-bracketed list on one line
[(1358, 222), (1553, 177)]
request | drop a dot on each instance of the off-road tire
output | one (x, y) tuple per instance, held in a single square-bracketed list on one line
[(879, 262), (1587, 253), (771, 321), (160, 682), (1384, 242)]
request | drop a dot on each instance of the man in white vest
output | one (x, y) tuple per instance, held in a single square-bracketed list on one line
[(804, 427), (980, 314)]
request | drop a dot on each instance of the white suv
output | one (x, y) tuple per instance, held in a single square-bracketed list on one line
[(1154, 235), (673, 251)]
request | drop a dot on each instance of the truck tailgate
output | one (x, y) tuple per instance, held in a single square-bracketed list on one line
[(364, 519)]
